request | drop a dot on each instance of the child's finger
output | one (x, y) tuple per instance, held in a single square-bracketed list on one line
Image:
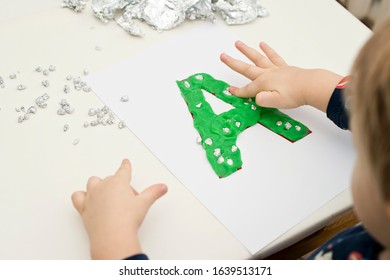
[(78, 200), (273, 56), (152, 193), (243, 92), (124, 171), (257, 58), (245, 69), (93, 181), (249, 90)]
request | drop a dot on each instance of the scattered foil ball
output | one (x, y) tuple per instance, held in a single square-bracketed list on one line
[(124, 98), (91, 112), (66, 89), (86, 88), (21, 87), (32, 110), (2, 85), (121, 125), (79, 84), (65, 108), (41, 101), (208, 141), (103, 115), (227, 92), (199, 77), (45, 83)]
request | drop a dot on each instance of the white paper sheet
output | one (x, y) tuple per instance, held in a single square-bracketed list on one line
[(280, 182)]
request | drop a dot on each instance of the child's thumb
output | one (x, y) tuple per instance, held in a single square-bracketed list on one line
[(270, 99), (152, 193), (78, 199)]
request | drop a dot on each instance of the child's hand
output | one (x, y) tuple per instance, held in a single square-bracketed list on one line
[(112, 212), (275, 84)]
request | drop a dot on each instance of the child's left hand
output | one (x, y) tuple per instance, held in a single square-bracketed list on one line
[(112, 212)]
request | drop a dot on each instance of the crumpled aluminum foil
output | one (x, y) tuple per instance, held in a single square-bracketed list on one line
[(167, 14), (200, 9), (160, 14), (106, 10), (127, 23), (76, 5), (240, 11)]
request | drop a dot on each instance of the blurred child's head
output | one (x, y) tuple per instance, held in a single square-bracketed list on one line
[(369, 94)]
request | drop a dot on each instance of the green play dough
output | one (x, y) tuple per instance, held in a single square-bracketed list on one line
[(219, 132)]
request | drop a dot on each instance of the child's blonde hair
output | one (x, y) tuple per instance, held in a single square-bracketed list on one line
[(370, 103)]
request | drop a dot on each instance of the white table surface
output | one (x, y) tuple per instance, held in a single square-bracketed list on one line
[(40, 166)]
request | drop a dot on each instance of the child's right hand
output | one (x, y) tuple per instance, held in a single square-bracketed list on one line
[(278, 85)]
